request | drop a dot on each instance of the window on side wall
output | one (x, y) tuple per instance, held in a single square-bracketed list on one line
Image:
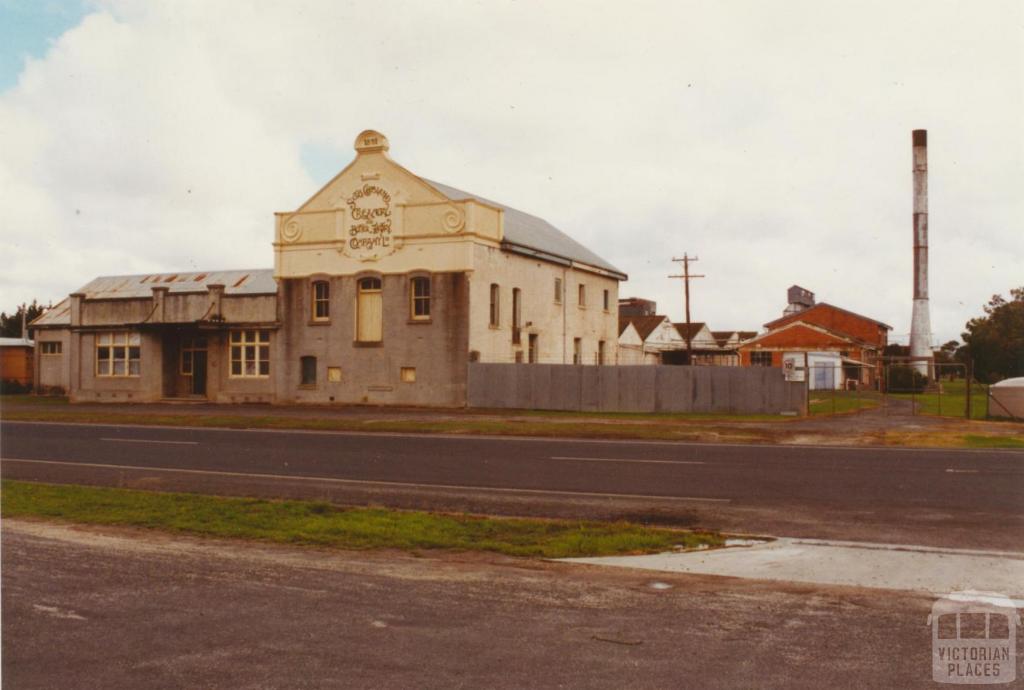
[(321, 300), (495, 305), (577, 351), (558, 290), (369, 311), (600, 348), (419, 298), (250, 353), (606, 300), (761, 359), (51, 348), (118, 354), (308, 371), (533, 349), (582, 298), (517, 309)]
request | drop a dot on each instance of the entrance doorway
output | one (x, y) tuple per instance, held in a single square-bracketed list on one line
[(193, 365), (199, 372)]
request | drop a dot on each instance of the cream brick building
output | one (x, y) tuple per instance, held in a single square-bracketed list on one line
[(385, 286)]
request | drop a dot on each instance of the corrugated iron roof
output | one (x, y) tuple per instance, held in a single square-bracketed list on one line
[(57, 315), (532, 233), (239, 282), (16, 342)]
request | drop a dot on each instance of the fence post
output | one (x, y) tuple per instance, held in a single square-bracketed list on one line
[(807, 388), (967, 386)]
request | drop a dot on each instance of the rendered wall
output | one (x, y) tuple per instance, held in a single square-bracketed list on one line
[(555, 324), (52, 371), (758, 390)]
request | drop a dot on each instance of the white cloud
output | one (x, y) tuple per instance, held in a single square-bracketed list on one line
[(775, 144)]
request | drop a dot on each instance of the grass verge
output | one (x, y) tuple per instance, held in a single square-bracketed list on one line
[(976, 441), (670, 430), (324, 524)]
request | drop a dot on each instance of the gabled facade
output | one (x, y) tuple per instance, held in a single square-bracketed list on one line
[(647, 339), (385, 286)]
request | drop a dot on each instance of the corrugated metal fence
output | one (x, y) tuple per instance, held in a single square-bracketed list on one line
[(739, 390)]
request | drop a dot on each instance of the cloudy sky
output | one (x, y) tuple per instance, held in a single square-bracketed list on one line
[(770, 139)]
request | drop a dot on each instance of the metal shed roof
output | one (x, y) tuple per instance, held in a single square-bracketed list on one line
[(532, 233), (239, 282)]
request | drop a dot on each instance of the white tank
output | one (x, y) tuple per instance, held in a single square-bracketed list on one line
[(1007, 398)]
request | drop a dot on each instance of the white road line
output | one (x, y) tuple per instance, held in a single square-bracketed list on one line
[(148, 440), (955, 471), (631, 460), (458, 487)]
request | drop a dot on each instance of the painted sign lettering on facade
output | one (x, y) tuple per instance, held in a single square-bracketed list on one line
[(369, 230)]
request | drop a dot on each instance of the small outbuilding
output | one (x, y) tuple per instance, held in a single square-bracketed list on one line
[(1006, 398), (16, 363)]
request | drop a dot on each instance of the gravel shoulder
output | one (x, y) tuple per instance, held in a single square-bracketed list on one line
[(111, 608)]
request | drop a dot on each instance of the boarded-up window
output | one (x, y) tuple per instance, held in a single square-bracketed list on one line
[(369, 311)]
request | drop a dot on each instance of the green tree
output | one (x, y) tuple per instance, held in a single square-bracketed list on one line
[(996, 341), (10, 325)]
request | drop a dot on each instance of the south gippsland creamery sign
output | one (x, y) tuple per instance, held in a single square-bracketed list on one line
[(369, 230)]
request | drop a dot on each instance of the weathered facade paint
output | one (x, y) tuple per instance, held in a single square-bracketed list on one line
[(384, 288)]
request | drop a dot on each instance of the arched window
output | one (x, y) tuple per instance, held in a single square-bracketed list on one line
[(419, 298), (369, 311), (321, 300)]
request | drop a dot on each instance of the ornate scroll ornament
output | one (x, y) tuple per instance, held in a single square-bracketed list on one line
[(454, 220), (291, 232), (369, 235)]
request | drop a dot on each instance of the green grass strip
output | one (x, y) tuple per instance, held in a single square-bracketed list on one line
[(975, 441), (324, 524)]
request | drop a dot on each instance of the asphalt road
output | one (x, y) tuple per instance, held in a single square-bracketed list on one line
[(105, 608), (959, 498)]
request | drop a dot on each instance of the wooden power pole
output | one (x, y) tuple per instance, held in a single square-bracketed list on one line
[(687, 276)]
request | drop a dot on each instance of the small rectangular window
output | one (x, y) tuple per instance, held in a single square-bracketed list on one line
[(606, 300), (334, 374), (495, 307), (408, 374), (761, 359), (321, 300), (51, 348), (533, 348), (583, 295), (419, 298), (577, 350), (600, 348), (308, 371), (558, 290)]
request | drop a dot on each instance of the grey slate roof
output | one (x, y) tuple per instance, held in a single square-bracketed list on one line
[(239, 282), (532, 233)]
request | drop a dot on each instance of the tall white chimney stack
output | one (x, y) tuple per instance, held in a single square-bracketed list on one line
[(921, 323)]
